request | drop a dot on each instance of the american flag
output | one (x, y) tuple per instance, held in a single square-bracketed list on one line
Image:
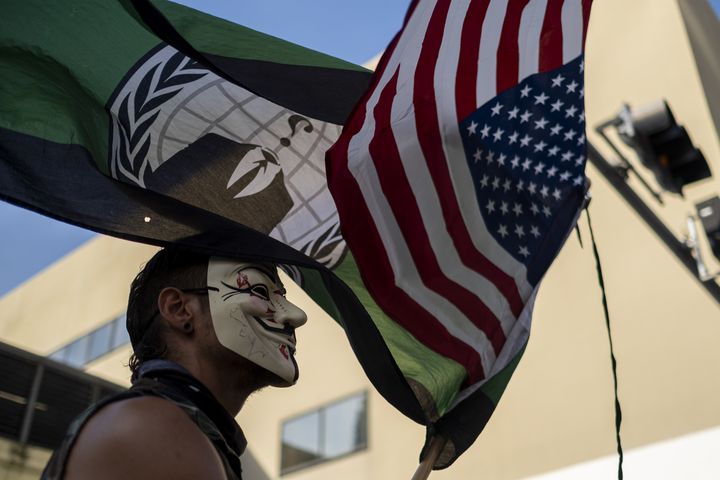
[(460, 173)]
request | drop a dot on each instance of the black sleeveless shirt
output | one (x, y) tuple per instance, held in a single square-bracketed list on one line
[(168, 380)]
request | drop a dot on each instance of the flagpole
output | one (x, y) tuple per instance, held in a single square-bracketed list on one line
[(436, 446)]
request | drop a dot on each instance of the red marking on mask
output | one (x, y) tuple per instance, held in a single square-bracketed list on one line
[(242, 280), (283, 350)]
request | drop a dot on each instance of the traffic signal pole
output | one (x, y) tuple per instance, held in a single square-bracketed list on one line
[(615, 176)]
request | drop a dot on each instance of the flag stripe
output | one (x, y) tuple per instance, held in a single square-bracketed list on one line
[(428, 218), (531, 27), (551, 39), (487, 60), (461, 180), (508, 55), (395, 186), (365, 237), (572, 28), (586, 5), (504, 303), (392, 244), (469, 48)]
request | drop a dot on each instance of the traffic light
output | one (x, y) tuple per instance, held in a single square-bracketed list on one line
[(663, 146)]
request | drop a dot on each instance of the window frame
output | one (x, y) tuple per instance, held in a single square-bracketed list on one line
[(321, 434)]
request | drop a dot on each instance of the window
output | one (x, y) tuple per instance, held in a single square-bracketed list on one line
[(102, 340), (329, 432)]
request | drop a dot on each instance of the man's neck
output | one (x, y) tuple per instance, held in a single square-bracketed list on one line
[(230, 385)]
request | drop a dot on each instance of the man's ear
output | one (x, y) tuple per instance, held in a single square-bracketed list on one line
[(175, 307)]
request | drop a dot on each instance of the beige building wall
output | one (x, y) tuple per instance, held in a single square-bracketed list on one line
[(558, 408)]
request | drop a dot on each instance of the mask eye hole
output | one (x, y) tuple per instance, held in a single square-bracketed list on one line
[(260, 291)]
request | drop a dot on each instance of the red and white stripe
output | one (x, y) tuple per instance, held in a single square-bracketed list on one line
[(402, 186)]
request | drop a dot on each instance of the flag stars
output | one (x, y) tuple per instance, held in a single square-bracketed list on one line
[(579, 160), (534, 231), (501, 159), (556, 194), (540, 124), (512, 114), (540, 146), (525, 141), (495, 183), (477, 156), (582, 66), (524, 251), (513, 138), (525, 117), (557, 81), (490, 157), (515, 162), (472, 127), (571, 87), (484, 181), (525, 91), (581, 139), (541, 99), (519, 231), (556, 130), (553, 151), (498, 134), (552, 171), (490, 207), (565, 176), (544, 191), (485, 131), (567, 156), (517, 209), (579, 180), (539, 168), (534, 209), (506, 185), (546, 211), (570, 112), (569, 135), (532, 187), (496, 109), (503, 231), (504, 208), (520, 185), (526, 164), (556, 106)]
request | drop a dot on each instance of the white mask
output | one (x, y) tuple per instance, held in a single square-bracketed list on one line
[(251, 315)]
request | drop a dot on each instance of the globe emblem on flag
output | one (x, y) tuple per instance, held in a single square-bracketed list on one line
[(181, 130)]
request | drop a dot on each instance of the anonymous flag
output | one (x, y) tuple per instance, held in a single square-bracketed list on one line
[(155, 123), (458, 177)]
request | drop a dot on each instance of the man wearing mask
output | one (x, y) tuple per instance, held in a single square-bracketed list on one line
[(206, 333)]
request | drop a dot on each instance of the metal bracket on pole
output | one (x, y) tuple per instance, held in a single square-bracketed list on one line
[(681, 249)]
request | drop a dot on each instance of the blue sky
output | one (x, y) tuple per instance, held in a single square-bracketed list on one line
[(354, 31)]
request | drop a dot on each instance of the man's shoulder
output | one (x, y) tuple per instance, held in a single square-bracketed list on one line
[(142, 437)]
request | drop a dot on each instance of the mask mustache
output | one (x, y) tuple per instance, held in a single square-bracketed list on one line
[(286, 330)]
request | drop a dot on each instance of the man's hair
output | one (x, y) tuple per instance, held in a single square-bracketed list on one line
[(170, 267)]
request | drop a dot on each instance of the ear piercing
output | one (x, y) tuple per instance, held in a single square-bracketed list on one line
[(187, 327)]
